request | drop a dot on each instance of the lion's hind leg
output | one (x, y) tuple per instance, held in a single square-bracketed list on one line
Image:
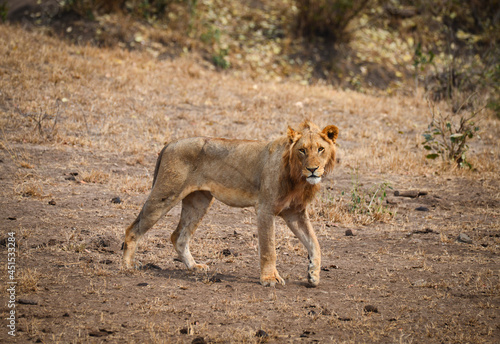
[(194, 207), (154, 208)]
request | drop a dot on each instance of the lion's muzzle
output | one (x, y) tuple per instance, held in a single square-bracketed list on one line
[(312, 179)]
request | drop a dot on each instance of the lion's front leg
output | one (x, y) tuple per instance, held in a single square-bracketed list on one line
[(300, 225), (269, 276)]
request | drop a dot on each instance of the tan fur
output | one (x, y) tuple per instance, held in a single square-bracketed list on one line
[(277, 178)]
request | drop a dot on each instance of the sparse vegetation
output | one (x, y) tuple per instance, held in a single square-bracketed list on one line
[(358, 205), (29, 280), (448, 136), (95, 176), (367, 202)]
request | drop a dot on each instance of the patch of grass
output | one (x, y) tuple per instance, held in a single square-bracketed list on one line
[(28, 280), (29, 186), (369, 201), (95, 176), (358, 205)]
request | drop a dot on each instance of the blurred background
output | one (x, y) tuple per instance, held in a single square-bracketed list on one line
[(448, 47)]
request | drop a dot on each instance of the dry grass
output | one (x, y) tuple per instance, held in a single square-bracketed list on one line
[(29, 280), (95, 176)]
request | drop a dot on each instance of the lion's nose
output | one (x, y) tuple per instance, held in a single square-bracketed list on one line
[(312, 169)]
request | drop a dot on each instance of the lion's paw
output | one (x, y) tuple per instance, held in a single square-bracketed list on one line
[(131, 266), (313, 280), (272, 280), (199, 268)]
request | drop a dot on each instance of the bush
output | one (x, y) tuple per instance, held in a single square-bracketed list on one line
[(327, 19), (447, 136)]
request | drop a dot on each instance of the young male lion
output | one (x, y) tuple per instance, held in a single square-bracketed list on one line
[(278, 178)]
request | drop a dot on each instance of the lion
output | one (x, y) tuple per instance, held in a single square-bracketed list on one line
[(277, 178)]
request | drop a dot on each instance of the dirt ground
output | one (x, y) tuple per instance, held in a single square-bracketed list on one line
[(83, 126)]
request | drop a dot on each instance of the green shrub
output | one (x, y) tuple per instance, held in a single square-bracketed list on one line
[(447, 136)]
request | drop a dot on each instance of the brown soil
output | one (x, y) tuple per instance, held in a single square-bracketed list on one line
[(108, 112)]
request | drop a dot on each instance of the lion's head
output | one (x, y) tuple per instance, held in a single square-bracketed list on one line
[(311, 151)]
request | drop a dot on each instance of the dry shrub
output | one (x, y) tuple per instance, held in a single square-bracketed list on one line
[(30, 188), (96, 177), (28, 280)]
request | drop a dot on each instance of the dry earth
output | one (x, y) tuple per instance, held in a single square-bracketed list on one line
[(81, 126)]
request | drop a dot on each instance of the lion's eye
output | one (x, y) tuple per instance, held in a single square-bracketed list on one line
[(302, 150), (320, 149)]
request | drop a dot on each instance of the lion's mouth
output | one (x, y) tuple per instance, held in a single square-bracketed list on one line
[(313, 179)]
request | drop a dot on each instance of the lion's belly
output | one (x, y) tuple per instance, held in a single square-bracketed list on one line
[(232, 197)]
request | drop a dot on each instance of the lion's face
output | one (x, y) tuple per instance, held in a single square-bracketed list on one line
[(312, 151)]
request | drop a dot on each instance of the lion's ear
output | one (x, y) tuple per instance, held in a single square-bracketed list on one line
[(292, 135), (332, 132)]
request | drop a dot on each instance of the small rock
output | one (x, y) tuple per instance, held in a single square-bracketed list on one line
[(52, 202), (100, 333), (422, 209), (199, 340), (71, 178), (12, 218), (424, 231), (420, 283), (66, 315), (227, 252), (464, 238), (261, 334), (27, 302), (327, 268), (184, 330), (150, 266), (116, 200), (305, 334), (215, 279), (142, 284), (371, 309), (349, 232), (344, 319)]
